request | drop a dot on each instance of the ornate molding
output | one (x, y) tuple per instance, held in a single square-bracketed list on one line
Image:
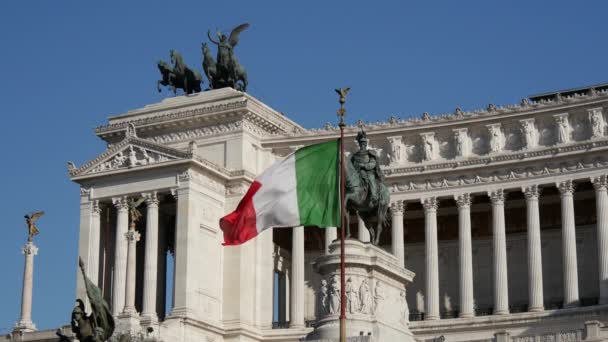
[(95, 208), (120, 203), (218, 129), (172, 115), (132, 235), (151, 199), (29, 249), (398, 207)]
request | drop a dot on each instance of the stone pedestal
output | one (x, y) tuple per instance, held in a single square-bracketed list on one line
[(375, 291)]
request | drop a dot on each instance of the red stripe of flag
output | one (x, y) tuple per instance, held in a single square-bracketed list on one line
[(240, 225)]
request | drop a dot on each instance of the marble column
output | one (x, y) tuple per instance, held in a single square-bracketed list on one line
[(93, 258), (364, 235), (120, 255), (25, 323), (297, 279), (601, 203), (151, 259), (431, 258), (535, 264), (569, 262), (465, 255), (397, 241), (501, 287), (132, 236), (331, 234)]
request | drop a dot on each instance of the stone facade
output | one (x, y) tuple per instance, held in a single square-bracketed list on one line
[(501, 214)]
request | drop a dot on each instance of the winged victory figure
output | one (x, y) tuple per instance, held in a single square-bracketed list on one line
[(30, 220), (228, 71)]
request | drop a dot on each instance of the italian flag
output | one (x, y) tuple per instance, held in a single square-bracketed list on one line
[(300, 190)]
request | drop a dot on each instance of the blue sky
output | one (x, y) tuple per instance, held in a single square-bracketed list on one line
[(67, 65)]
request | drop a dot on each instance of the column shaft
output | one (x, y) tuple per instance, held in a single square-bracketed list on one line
[(569, 262), (364, 235), (397, 242), (132, 236), (331, 234), (601, 203), (501, 289), (465, 250), (297, 278), (120, 255), (432, 258), (535, 265), (151, 259), (93, 259), (25, 322)]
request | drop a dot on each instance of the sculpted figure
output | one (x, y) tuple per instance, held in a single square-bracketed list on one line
[(396, 156), (30, 220), (378, 297), (322, 304), (461, 142), (496, 138), (366, 297), (405, 310), (563, 129), (596, 119), (334, 293), (352, 301), (428, 148), (366, 192), (529, 133), (228, 71), (97, 327)]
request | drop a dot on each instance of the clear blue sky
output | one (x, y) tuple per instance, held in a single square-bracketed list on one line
[(67, 65)]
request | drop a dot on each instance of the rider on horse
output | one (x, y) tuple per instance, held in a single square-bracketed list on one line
[(366, 162)]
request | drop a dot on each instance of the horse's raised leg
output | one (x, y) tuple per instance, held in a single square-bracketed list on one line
[(372, 235), (376, 241)]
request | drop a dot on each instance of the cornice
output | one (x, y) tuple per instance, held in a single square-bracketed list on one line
[(457, 118)]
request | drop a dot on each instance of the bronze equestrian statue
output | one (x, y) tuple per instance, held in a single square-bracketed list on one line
[(180, 76), (365, 192)]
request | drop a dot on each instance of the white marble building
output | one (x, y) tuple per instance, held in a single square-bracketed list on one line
[(502, 214)]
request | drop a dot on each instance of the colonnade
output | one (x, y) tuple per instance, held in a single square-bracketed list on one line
[(500, 275)]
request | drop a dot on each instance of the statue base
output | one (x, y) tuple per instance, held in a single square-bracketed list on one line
[(24, 326), (128, 323), (376, 308)]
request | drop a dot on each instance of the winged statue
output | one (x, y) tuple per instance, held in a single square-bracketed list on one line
[(30, 220), (226, 71), (133, 211)]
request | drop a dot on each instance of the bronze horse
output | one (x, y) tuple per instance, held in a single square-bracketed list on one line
[(357, 199)]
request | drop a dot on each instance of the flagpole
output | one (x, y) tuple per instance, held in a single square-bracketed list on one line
[(341, 112)]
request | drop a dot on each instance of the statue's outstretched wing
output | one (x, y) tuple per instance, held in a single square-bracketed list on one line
[(35, 216), (234, 35)]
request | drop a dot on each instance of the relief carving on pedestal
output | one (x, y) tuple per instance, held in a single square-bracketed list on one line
[(596, 123), (323, 299), (365, 296), (334, 296), (404, 316), (378, 298), (352, 298)]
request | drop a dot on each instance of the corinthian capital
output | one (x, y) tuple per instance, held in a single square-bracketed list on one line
[(120, 203), (565, 187), (497, 196), (429, 203), (397, 207), (531, 191), (150, 198), (600, 182), (463, 200)]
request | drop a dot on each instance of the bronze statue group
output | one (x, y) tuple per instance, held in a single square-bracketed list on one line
[(224, 71)]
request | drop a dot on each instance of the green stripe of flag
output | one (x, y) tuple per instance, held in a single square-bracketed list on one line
[(317, 184)]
